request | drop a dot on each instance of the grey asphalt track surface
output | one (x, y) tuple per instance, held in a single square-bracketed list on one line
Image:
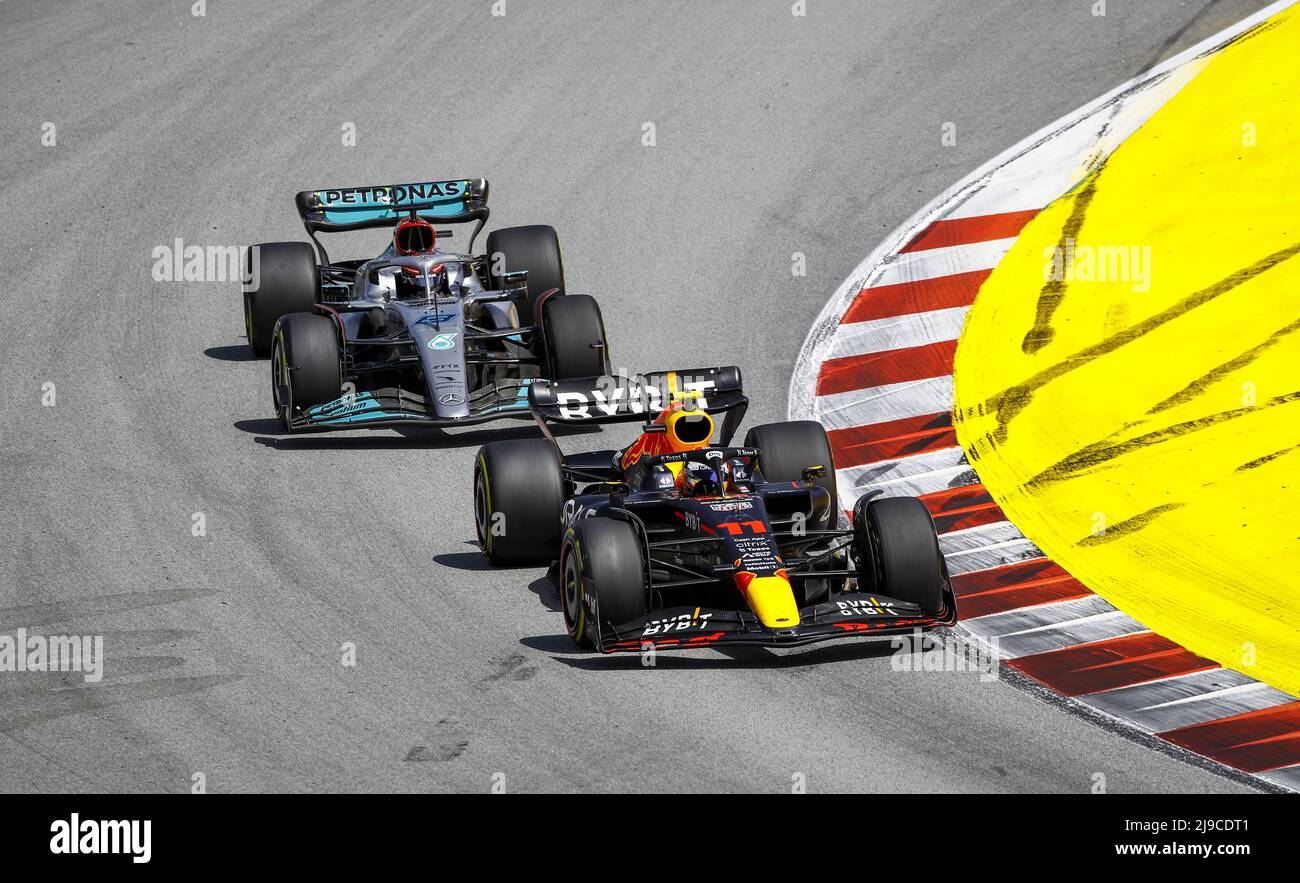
[(774, 135)]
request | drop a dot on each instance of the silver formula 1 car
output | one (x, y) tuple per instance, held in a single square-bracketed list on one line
[(417, 335)]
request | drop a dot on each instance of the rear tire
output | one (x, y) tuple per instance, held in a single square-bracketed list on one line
[(305, 365), (288, 281), (575, 337), (899, 551), (518, 501), (785, 450), (603, 556), (534, 248)]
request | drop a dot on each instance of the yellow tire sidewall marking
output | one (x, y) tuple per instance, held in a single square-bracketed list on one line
[(487, 505)]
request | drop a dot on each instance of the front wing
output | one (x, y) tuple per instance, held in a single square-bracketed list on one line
[(853, 614), (392, 406)]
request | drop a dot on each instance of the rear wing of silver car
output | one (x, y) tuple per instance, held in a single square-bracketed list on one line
[(641, 397), (343, 209)]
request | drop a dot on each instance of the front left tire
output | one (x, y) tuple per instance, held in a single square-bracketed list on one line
[(897, 549)]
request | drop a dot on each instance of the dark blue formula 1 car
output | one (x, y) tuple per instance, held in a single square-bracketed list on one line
[(676, 541)]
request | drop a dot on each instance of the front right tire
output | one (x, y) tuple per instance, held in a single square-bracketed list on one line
[(602, 578), (306, 369)]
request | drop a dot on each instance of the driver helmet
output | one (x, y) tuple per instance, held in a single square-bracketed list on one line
[(411, 282), (414, 236), (700, 480)]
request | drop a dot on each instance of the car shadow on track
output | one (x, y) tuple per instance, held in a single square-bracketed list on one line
[(853, 650), (271, 434), (474, 561), (236, 353), (547, 590)]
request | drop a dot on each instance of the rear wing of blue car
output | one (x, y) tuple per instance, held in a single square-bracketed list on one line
[(625, 399), (343, 209)]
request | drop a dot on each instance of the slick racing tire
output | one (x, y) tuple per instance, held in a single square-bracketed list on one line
[(602, 578), (534, 248), (518, 500), (305, 366), (575, 337), (897, 550), (785, 450), (287, 281)]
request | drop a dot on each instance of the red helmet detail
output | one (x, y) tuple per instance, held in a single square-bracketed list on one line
[(414, 236)]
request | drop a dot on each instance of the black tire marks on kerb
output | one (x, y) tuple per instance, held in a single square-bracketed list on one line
[(1129, 525), (1097, 454), (1200, 384), (1010, 402), (1053, 291), (1266, 459)]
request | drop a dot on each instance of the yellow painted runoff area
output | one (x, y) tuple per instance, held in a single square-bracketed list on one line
[(1128, 380)]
